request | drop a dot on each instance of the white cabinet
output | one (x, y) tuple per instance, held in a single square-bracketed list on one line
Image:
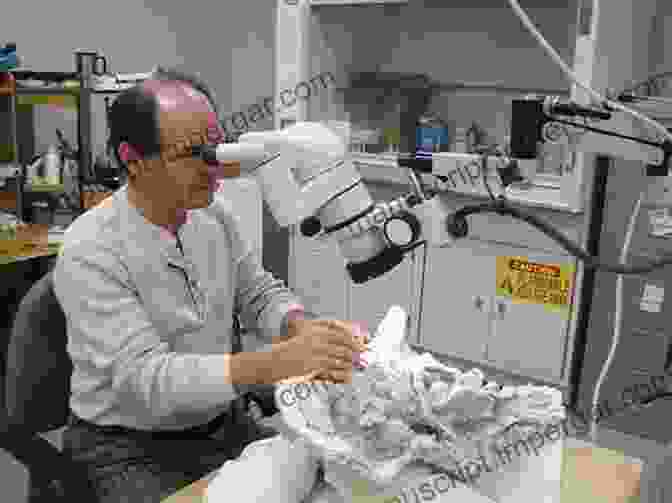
[(462, 316), (456, 300), (528, 339)]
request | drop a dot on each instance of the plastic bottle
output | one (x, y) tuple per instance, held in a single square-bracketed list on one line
[(460, 141), (432, 134), (52, 164), (476, 137)]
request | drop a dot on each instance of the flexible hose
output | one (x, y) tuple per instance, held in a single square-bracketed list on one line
[(501, 207)]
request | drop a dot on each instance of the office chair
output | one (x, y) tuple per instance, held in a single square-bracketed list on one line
[(37, 387), (37, 397)]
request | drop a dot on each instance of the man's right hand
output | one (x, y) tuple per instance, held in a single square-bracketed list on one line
[(325, 347)]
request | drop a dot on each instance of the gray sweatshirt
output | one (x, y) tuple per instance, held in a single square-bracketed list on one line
[(148, 327)]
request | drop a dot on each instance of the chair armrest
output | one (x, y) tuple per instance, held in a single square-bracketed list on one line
[(45, 462), (264, 396)]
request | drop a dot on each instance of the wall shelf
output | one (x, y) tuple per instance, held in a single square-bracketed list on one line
[(317, 3), (46, 91), (67, 89)]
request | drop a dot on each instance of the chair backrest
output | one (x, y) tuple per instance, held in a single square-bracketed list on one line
[(37, 384)]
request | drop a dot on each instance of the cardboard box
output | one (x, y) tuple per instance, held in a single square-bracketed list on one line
[(91, 199)]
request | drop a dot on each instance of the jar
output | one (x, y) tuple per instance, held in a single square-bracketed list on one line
[(431, 135), (7, 84)]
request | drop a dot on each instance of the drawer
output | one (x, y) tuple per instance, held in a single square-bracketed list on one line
[(655, 316), (643, 243), (640, 350), (651, 422)]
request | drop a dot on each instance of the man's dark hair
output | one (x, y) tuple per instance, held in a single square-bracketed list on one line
[(134, 116)]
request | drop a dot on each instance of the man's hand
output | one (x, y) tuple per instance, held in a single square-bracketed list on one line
[(320, 348)]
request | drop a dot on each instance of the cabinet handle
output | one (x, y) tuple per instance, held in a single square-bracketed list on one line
[(501, 309), (479, 302)]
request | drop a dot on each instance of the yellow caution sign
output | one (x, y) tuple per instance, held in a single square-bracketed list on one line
[(529, 282)]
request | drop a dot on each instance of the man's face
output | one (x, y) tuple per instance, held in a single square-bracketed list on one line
[(186, 119)]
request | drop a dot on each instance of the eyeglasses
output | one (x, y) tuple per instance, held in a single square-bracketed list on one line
[(180, 153), (196, 145), (207, 153)]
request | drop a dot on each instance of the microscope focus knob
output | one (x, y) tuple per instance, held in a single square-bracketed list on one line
[(402, 229), (310, 227)]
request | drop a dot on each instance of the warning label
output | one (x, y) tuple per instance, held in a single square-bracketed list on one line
[(529, 282)]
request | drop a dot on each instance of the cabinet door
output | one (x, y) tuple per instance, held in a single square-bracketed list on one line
[(529, 339), (318, 276), (370, 301), (456, 300)]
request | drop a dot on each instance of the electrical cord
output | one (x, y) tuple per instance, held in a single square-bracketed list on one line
[(552, 53), (618, 318)]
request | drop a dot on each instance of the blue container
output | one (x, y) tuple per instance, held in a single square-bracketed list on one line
[(8, 58), (9, 48), (431, 139)]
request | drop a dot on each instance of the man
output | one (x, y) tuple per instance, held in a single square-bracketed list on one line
[(148, 281)]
